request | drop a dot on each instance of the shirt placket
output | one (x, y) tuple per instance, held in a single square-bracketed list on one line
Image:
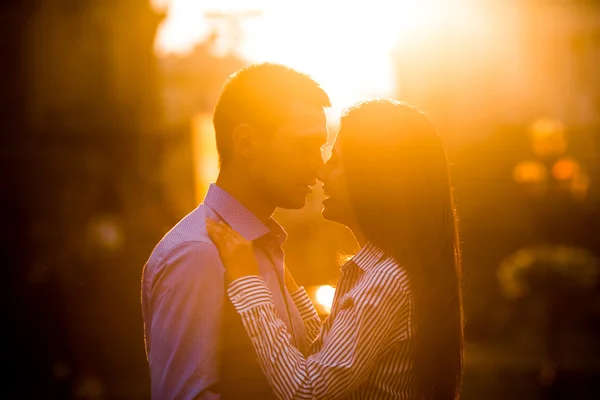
[(299, 332), (276, 260)]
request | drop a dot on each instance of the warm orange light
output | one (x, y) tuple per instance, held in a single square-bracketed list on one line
[(345, 45), (324, 296), (565, 169), (529, 172), (548, 137), (580, 186)]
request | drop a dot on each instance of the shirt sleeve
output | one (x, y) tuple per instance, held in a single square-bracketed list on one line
[(310, 317), (184, 316), (362, 329)]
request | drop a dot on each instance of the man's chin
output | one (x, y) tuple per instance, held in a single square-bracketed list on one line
[(293, 204)]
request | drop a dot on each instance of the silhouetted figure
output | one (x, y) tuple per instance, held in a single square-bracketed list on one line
[(395, 329), (270, 126)]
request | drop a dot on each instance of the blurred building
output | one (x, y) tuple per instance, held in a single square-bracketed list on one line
[(486, 76), (513, 88), (191, 85), (506, 61), (84, 197), (192, 82)]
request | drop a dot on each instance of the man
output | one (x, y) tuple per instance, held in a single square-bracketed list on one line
[(270, 125)]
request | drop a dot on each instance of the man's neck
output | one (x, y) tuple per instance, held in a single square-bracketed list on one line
[(242, 191)]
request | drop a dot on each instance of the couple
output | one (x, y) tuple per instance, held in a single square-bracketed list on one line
[(224, 318)]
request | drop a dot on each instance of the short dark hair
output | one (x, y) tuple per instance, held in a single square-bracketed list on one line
[(259, 95)]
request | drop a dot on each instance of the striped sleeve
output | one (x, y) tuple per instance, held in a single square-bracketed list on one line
[(312, 321), (363, 328)]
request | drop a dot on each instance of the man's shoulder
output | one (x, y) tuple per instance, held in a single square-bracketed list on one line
[(188, 236)]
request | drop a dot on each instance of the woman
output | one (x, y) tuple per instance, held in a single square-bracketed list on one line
[(395, 329)]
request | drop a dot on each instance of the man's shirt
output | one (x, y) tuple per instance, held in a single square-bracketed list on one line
[(183, 295)]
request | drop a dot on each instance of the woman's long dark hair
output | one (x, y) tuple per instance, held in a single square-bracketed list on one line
[(397, 175)]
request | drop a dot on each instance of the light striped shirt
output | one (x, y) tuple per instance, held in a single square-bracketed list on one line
[(362, 350)]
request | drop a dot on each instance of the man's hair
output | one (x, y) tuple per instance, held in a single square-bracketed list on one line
[(260, 95)]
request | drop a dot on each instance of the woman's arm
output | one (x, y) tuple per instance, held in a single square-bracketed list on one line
[(365, 325), (363, 328), (310, 317)]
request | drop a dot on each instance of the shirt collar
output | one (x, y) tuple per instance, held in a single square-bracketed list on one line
[(240, 218), (367, 258)]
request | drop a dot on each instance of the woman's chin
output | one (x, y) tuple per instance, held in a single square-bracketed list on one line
[(328, 211), (334, 213)]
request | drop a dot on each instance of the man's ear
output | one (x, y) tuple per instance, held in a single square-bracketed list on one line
[(244, 140)]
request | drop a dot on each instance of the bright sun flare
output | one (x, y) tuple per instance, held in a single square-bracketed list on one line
[(345, 46)]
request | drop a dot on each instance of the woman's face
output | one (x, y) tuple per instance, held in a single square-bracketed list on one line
[(336, 206)]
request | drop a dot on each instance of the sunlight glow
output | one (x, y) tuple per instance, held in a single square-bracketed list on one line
[(345, 45), (325, 295), (206, 157), (351, 48)]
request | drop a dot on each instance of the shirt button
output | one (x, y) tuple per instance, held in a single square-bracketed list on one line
[(346, 303)]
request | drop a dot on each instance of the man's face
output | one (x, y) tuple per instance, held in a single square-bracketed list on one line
[(286, 166)]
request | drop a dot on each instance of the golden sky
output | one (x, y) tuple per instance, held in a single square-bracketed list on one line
[(345, 45)]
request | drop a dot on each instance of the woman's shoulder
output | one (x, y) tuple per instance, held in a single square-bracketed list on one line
[(388, 266)]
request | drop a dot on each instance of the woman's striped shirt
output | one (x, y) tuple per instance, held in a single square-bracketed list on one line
[(362, 350)]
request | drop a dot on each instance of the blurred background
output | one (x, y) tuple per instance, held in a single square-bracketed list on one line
[(107, 142)]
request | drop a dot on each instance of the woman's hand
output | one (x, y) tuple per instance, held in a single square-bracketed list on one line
[(237, 253)]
